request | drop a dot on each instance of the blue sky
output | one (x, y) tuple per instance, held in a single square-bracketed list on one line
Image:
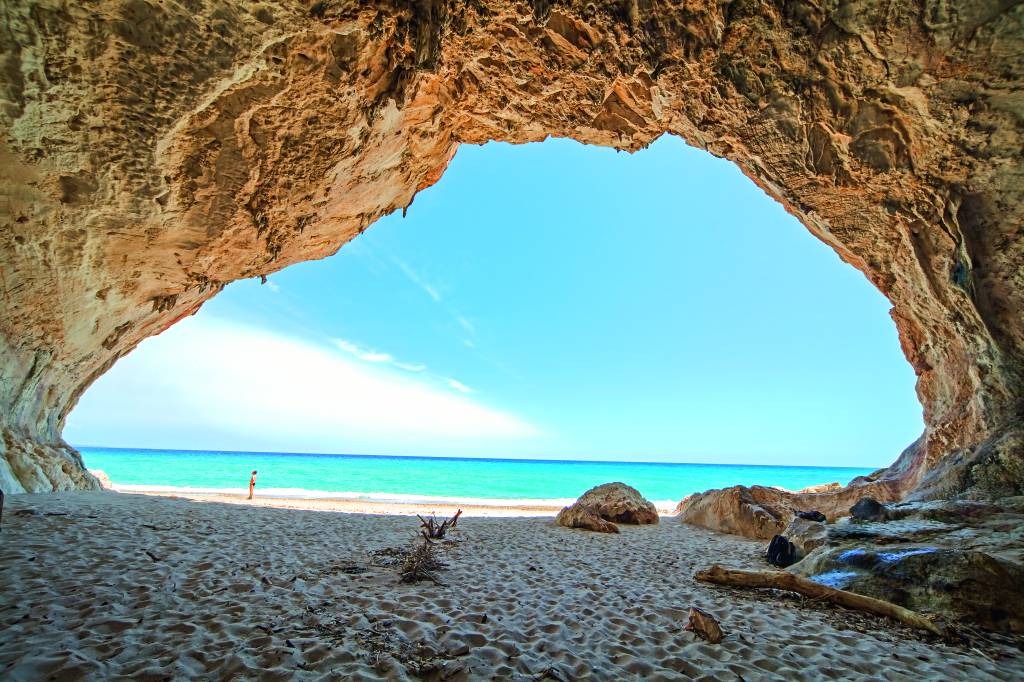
[(545, 300)]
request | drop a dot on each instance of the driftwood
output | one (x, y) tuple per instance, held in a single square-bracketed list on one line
[(704, 625), (432, 530), (783, 580)]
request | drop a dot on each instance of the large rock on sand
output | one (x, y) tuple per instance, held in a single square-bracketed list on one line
[(761, 512), (961, 559), (961, 584), (600, 508)]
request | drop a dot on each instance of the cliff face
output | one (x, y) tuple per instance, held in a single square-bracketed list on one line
[(153, 152)]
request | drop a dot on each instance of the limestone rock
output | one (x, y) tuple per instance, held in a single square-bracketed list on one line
[(584, 518), (806, 535), (963, 584), (763, 512), (183, 146), (923, 554), (101, 477), (29, 466), (600, 508)]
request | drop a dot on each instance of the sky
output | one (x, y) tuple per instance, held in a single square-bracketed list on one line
[(550, 300)]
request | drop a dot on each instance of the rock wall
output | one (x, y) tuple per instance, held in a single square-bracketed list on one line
[(153, 152)]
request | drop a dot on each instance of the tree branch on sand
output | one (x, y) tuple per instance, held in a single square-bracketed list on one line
[(784, 580), (432, 530)]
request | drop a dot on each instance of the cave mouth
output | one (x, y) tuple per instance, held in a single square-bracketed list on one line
[(722, 310), (273, 137)]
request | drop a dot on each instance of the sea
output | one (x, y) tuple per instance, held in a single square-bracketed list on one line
[(523, 482)]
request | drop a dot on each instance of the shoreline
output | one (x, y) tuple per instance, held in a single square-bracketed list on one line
[(384, 504)]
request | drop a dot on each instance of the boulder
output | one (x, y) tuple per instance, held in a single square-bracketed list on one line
[(739, 510), (868, 509), (600, 508), (961, 584), (762, 512), (812, 516)]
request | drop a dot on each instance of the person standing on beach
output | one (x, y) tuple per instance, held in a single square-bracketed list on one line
[(252, 483)]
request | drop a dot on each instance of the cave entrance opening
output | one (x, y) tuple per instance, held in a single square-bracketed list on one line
[(544, 300)]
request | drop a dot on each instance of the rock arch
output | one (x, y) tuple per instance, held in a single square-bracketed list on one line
[(153, 152)]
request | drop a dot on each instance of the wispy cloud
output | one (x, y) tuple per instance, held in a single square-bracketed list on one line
[(465, 324), (364, 354), (375, 356), (215, 376), (458, 385), (418, 280), (273, 286)]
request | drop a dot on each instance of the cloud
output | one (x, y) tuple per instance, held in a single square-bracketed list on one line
[(273, 286), (409, 366), (364, 354), (465, 324), (458, 385), (416, 279), (255, 388), (367, 355)]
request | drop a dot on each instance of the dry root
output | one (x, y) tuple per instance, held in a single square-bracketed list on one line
[(430, 529), (421, 564)]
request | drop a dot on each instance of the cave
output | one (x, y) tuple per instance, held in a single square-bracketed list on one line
[(153, 153)]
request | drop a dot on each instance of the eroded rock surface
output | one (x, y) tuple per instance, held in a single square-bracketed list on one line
[(601, 507), (763, 512), (154, 152), (961, 560)]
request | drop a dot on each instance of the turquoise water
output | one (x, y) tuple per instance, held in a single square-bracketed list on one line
[(450, 478)]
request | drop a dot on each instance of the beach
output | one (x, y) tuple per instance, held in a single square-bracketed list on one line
[(104, 584)]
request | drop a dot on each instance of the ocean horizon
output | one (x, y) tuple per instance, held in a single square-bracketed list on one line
[(412, 478)]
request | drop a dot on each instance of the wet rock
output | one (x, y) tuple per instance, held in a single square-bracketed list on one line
[(600, 508), (781, 552), (868, 509), (961, 584), (812, 516)]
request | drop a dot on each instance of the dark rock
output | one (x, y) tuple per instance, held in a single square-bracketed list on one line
[(781, 552), (812, 516), (868, 509)]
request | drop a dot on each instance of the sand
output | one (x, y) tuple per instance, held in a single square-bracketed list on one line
[(101, 585)]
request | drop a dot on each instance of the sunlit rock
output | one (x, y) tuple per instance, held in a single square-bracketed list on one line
[(600, 508)]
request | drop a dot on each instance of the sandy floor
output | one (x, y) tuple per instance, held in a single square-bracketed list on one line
[(98, 585)]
